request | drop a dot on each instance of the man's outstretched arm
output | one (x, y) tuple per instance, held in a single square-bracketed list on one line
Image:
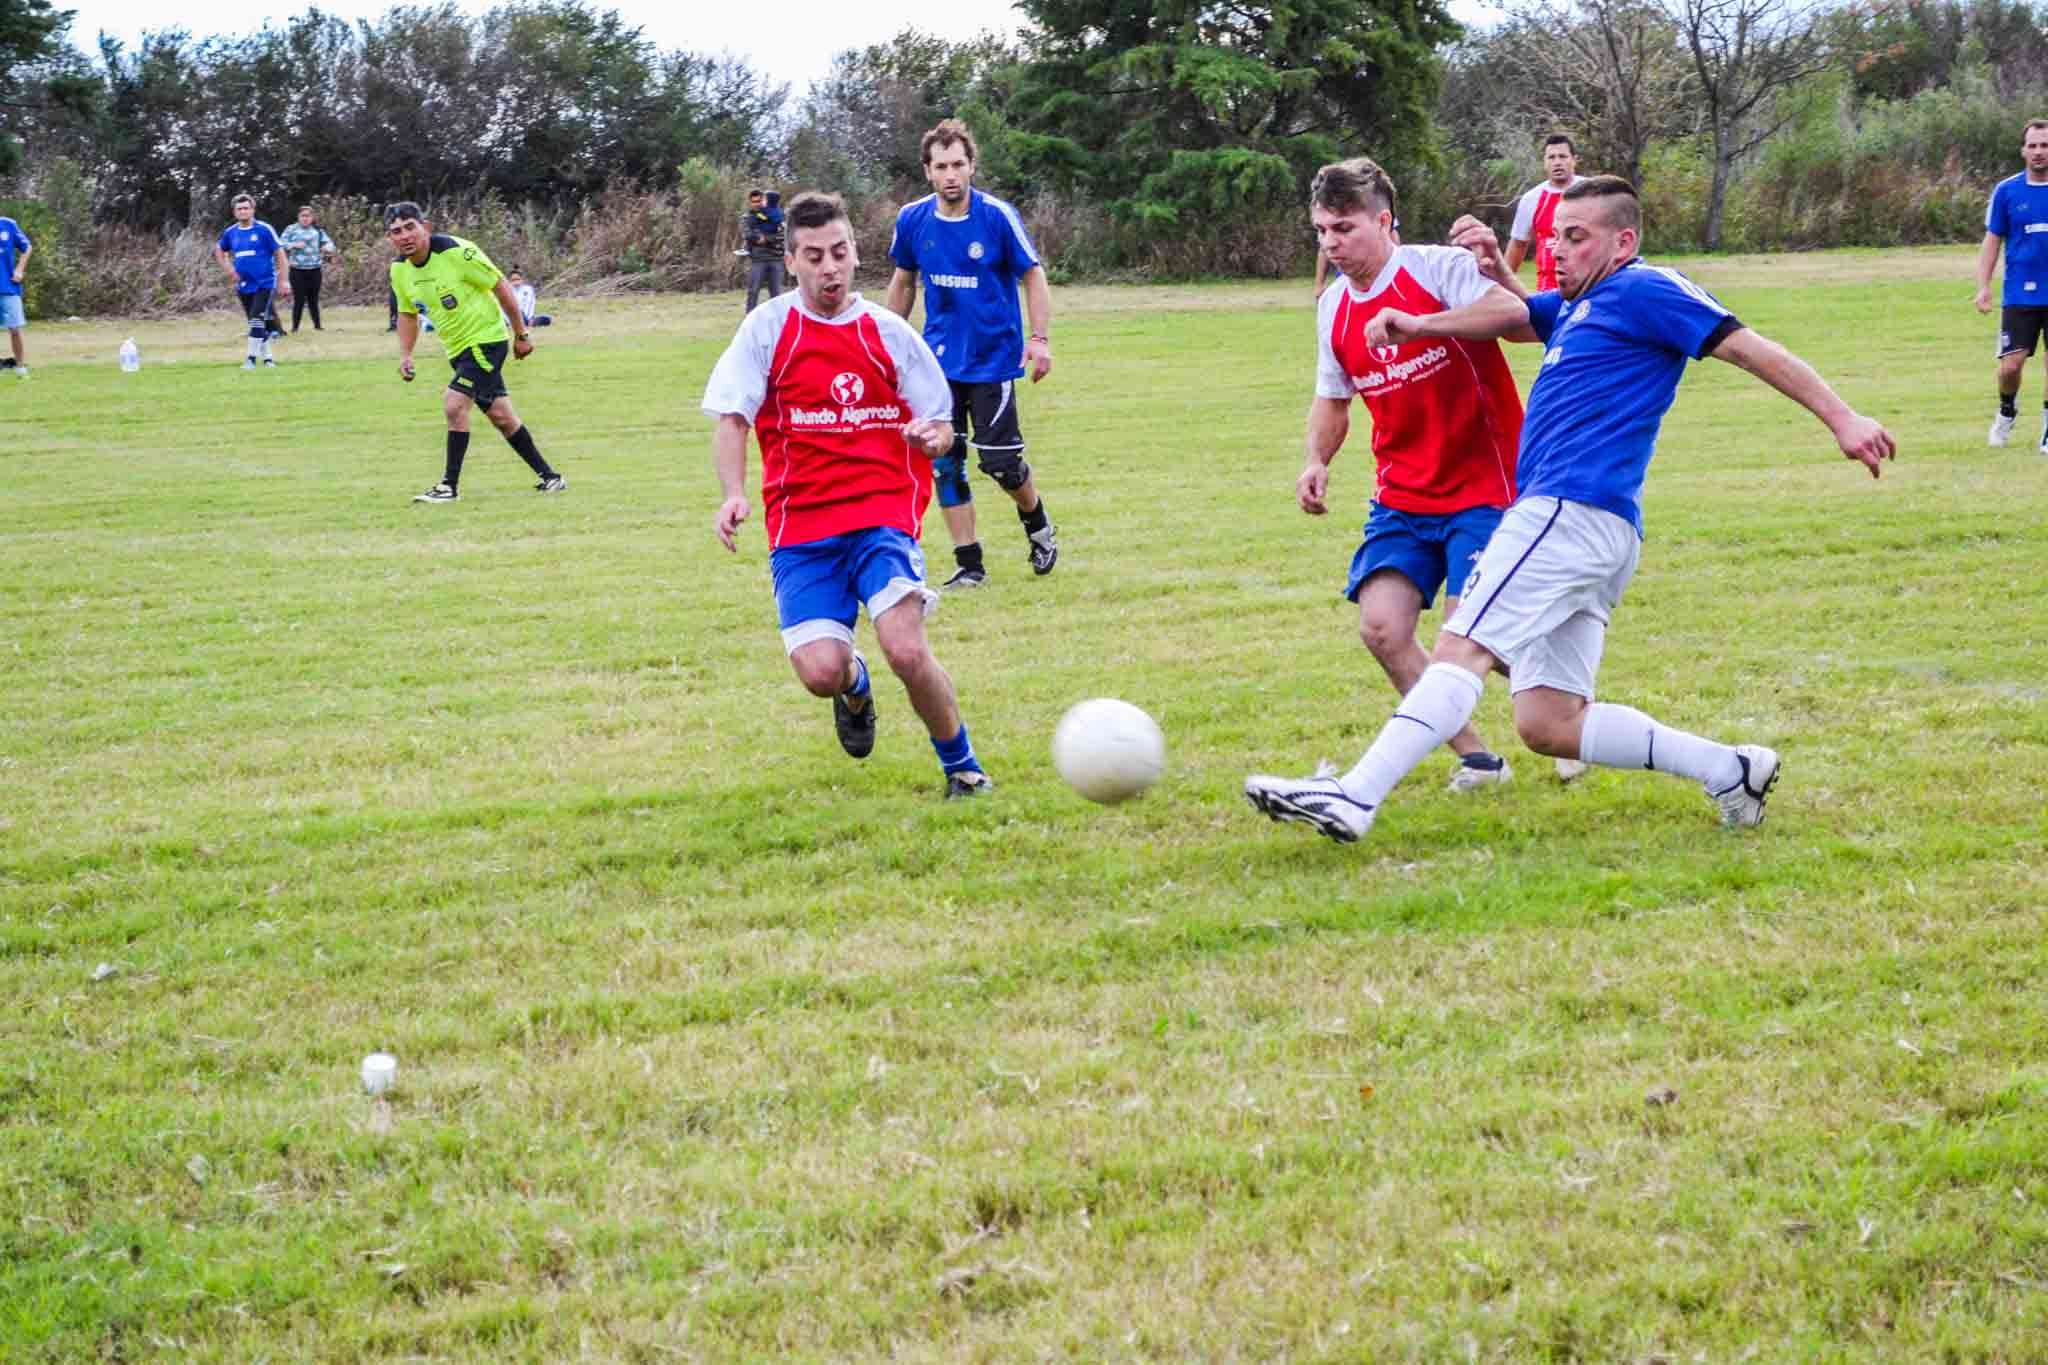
[(1861, 438)]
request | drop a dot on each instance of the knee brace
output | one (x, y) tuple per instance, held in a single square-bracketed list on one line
[(1010, 470), (949, 474)]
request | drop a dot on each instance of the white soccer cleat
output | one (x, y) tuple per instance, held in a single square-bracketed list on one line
[(1572, 769), (2001, 428), (1318, 802), (1742, 805), (1471, 777)]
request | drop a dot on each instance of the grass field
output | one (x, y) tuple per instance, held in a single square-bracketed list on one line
[(716, 1045)]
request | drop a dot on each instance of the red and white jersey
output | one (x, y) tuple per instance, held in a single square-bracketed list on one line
[(1446, 416), (1535, 219), (828, 399)]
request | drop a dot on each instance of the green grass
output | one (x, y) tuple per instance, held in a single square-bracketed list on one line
[(716, 1045)]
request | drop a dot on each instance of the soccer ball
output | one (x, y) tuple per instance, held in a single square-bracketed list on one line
[(1108, 750)]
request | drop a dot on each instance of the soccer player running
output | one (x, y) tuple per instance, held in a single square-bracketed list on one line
[(1445, 421), (1617, 335), (849, 406), (1536, 213), (253, 258), (469, 302), (2017, 218), (973, 252)]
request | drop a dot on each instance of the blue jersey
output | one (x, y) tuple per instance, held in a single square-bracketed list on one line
[(1612, 359), (13, 241), (971, 266), (254, 249), (2018, 212)]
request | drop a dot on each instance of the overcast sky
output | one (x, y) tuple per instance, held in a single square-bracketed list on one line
[(788, 40)]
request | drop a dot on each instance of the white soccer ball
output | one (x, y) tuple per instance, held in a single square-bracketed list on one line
[(1108, 750)]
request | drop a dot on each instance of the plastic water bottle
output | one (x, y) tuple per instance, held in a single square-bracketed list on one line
[(131, 359)]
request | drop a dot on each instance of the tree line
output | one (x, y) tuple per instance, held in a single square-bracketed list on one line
[(1142, 137)]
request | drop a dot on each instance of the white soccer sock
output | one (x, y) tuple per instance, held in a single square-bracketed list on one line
[(255, 349), (266, 348), (1436, 708), (1623, 737)]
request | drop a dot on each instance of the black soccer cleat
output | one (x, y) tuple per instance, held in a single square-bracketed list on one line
[(965, 578), (967, 784), (856, 729), (1045, 550), (553, 483)]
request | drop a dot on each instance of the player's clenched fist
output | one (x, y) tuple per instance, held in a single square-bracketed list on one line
[(1479, 239), (1312, 489), (1391, 327), (931, 436)]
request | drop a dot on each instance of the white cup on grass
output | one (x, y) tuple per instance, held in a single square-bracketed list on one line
[(380, 1069)]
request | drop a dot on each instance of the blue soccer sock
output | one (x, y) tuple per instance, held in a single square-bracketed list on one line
[(860, 678), (956, 755)]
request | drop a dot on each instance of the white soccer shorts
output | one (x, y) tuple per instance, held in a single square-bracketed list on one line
[(1546, 584)]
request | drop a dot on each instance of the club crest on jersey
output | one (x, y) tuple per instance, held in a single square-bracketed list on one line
[(847, 389), (1386, 354), (1579, 313), (449, 301), (974, 252)]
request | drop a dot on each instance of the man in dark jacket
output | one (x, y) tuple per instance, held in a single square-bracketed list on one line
[(761, 231)]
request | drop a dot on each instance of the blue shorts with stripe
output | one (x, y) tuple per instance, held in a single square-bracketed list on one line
[(1431, 552)]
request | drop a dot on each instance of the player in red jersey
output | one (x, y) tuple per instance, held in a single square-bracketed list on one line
[(1446, 418), (849, 407), (1537, 210)]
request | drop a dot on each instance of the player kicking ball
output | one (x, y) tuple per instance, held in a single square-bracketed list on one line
[(1616, 334), (468, 301), (849, 407)]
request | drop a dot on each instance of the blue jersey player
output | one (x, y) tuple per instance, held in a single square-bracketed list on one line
[(1617, 334), (2017, 219), (15, 249), (973, 252), (254, 259)]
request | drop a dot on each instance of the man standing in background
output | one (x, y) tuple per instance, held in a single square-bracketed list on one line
[(15, 249), (761, 230), (1538, 207), (2017, 219)]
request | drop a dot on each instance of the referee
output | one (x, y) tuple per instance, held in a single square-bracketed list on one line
[(468, 301)]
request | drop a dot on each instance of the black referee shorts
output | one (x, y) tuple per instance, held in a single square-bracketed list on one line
[(480, 372)]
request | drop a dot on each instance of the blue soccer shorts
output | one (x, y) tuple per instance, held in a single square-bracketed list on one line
[(821, 585), (1431, 552)]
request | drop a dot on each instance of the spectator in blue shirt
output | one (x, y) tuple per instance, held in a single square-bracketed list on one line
[(15, 249), (254, 259)]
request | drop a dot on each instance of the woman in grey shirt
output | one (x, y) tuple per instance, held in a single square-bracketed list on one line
[(306, 245)]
